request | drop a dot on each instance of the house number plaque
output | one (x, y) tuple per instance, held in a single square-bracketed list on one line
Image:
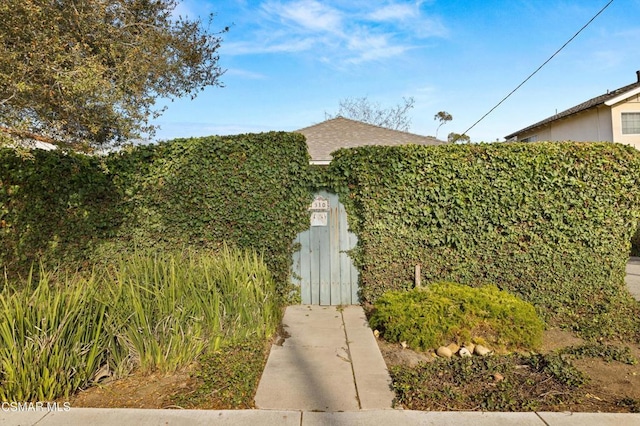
[(319, 211)]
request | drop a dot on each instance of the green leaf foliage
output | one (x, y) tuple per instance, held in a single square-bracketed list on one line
[(89, 72), (250, 191), (148, 311), (442, 313), (550, 222), (54, 208)]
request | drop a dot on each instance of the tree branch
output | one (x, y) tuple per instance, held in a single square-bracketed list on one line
[(23, 134)]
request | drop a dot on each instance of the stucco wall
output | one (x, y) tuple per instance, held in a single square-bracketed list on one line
[(630, 105), (588, 126)]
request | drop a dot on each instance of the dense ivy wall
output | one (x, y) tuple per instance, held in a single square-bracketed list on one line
[(248, 190), (54, 207), (548, 221)]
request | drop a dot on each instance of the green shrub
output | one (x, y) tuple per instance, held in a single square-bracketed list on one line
[(248, 190), (442, 313), (55, 207), (550, 222)]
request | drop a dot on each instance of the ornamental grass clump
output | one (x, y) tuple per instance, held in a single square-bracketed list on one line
[(150, 311), (52, 339), (426, 318), (169, 308)]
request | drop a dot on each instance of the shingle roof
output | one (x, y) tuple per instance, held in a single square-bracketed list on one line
[(330, 135), (598, 100)]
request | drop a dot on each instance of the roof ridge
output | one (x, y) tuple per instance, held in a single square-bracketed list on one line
[(595, 101), (366, 124)]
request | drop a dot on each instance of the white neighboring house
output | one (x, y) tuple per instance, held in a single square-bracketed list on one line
[(611, 117)]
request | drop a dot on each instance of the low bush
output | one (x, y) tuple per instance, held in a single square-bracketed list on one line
[(426, 318), (149, 311)]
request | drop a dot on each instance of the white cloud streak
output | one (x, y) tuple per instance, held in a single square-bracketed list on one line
[(339, 34)]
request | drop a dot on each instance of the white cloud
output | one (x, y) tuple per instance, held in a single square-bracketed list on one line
[(306, 14), (249, 75), (269, 46), (393, 12), (366, 46), (336, 32)]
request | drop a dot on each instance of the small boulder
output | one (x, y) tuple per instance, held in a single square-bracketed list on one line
[(444, 352), (453, 347), (464, 353), (481, 350), (470, 347)]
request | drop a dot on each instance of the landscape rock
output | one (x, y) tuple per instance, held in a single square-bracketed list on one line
[(444, 352), (469, 346), (453, 347), (464, 352), (481, 350)]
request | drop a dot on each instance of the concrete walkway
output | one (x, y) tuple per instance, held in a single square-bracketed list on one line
[(330, 361)]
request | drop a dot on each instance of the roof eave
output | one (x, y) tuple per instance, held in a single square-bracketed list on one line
[(622, 97)]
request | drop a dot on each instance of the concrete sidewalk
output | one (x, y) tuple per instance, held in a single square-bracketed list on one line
[(142, 417), (330, 361)]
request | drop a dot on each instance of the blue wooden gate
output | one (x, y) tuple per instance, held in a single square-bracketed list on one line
[(322, 268)]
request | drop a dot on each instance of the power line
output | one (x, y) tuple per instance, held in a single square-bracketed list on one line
[(538, 69)]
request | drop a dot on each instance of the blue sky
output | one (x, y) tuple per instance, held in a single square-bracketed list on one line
[(290, 61)]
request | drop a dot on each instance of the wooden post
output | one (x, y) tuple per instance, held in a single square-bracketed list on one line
[(417, 276)]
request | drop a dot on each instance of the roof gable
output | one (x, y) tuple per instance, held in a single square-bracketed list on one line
[(608, 98), (330, 135)]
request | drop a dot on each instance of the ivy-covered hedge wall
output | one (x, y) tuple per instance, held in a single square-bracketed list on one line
[(548, 221), (54, 207), (248, 190)]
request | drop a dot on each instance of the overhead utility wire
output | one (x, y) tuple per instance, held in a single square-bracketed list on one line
[(536, 71)]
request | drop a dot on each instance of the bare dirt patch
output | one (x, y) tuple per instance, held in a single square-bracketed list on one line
[(612, 386), (225, 379), (136, 391)]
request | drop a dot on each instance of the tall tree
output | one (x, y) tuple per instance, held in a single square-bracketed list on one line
[(362, 109), (87, 73), (443, 117)]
